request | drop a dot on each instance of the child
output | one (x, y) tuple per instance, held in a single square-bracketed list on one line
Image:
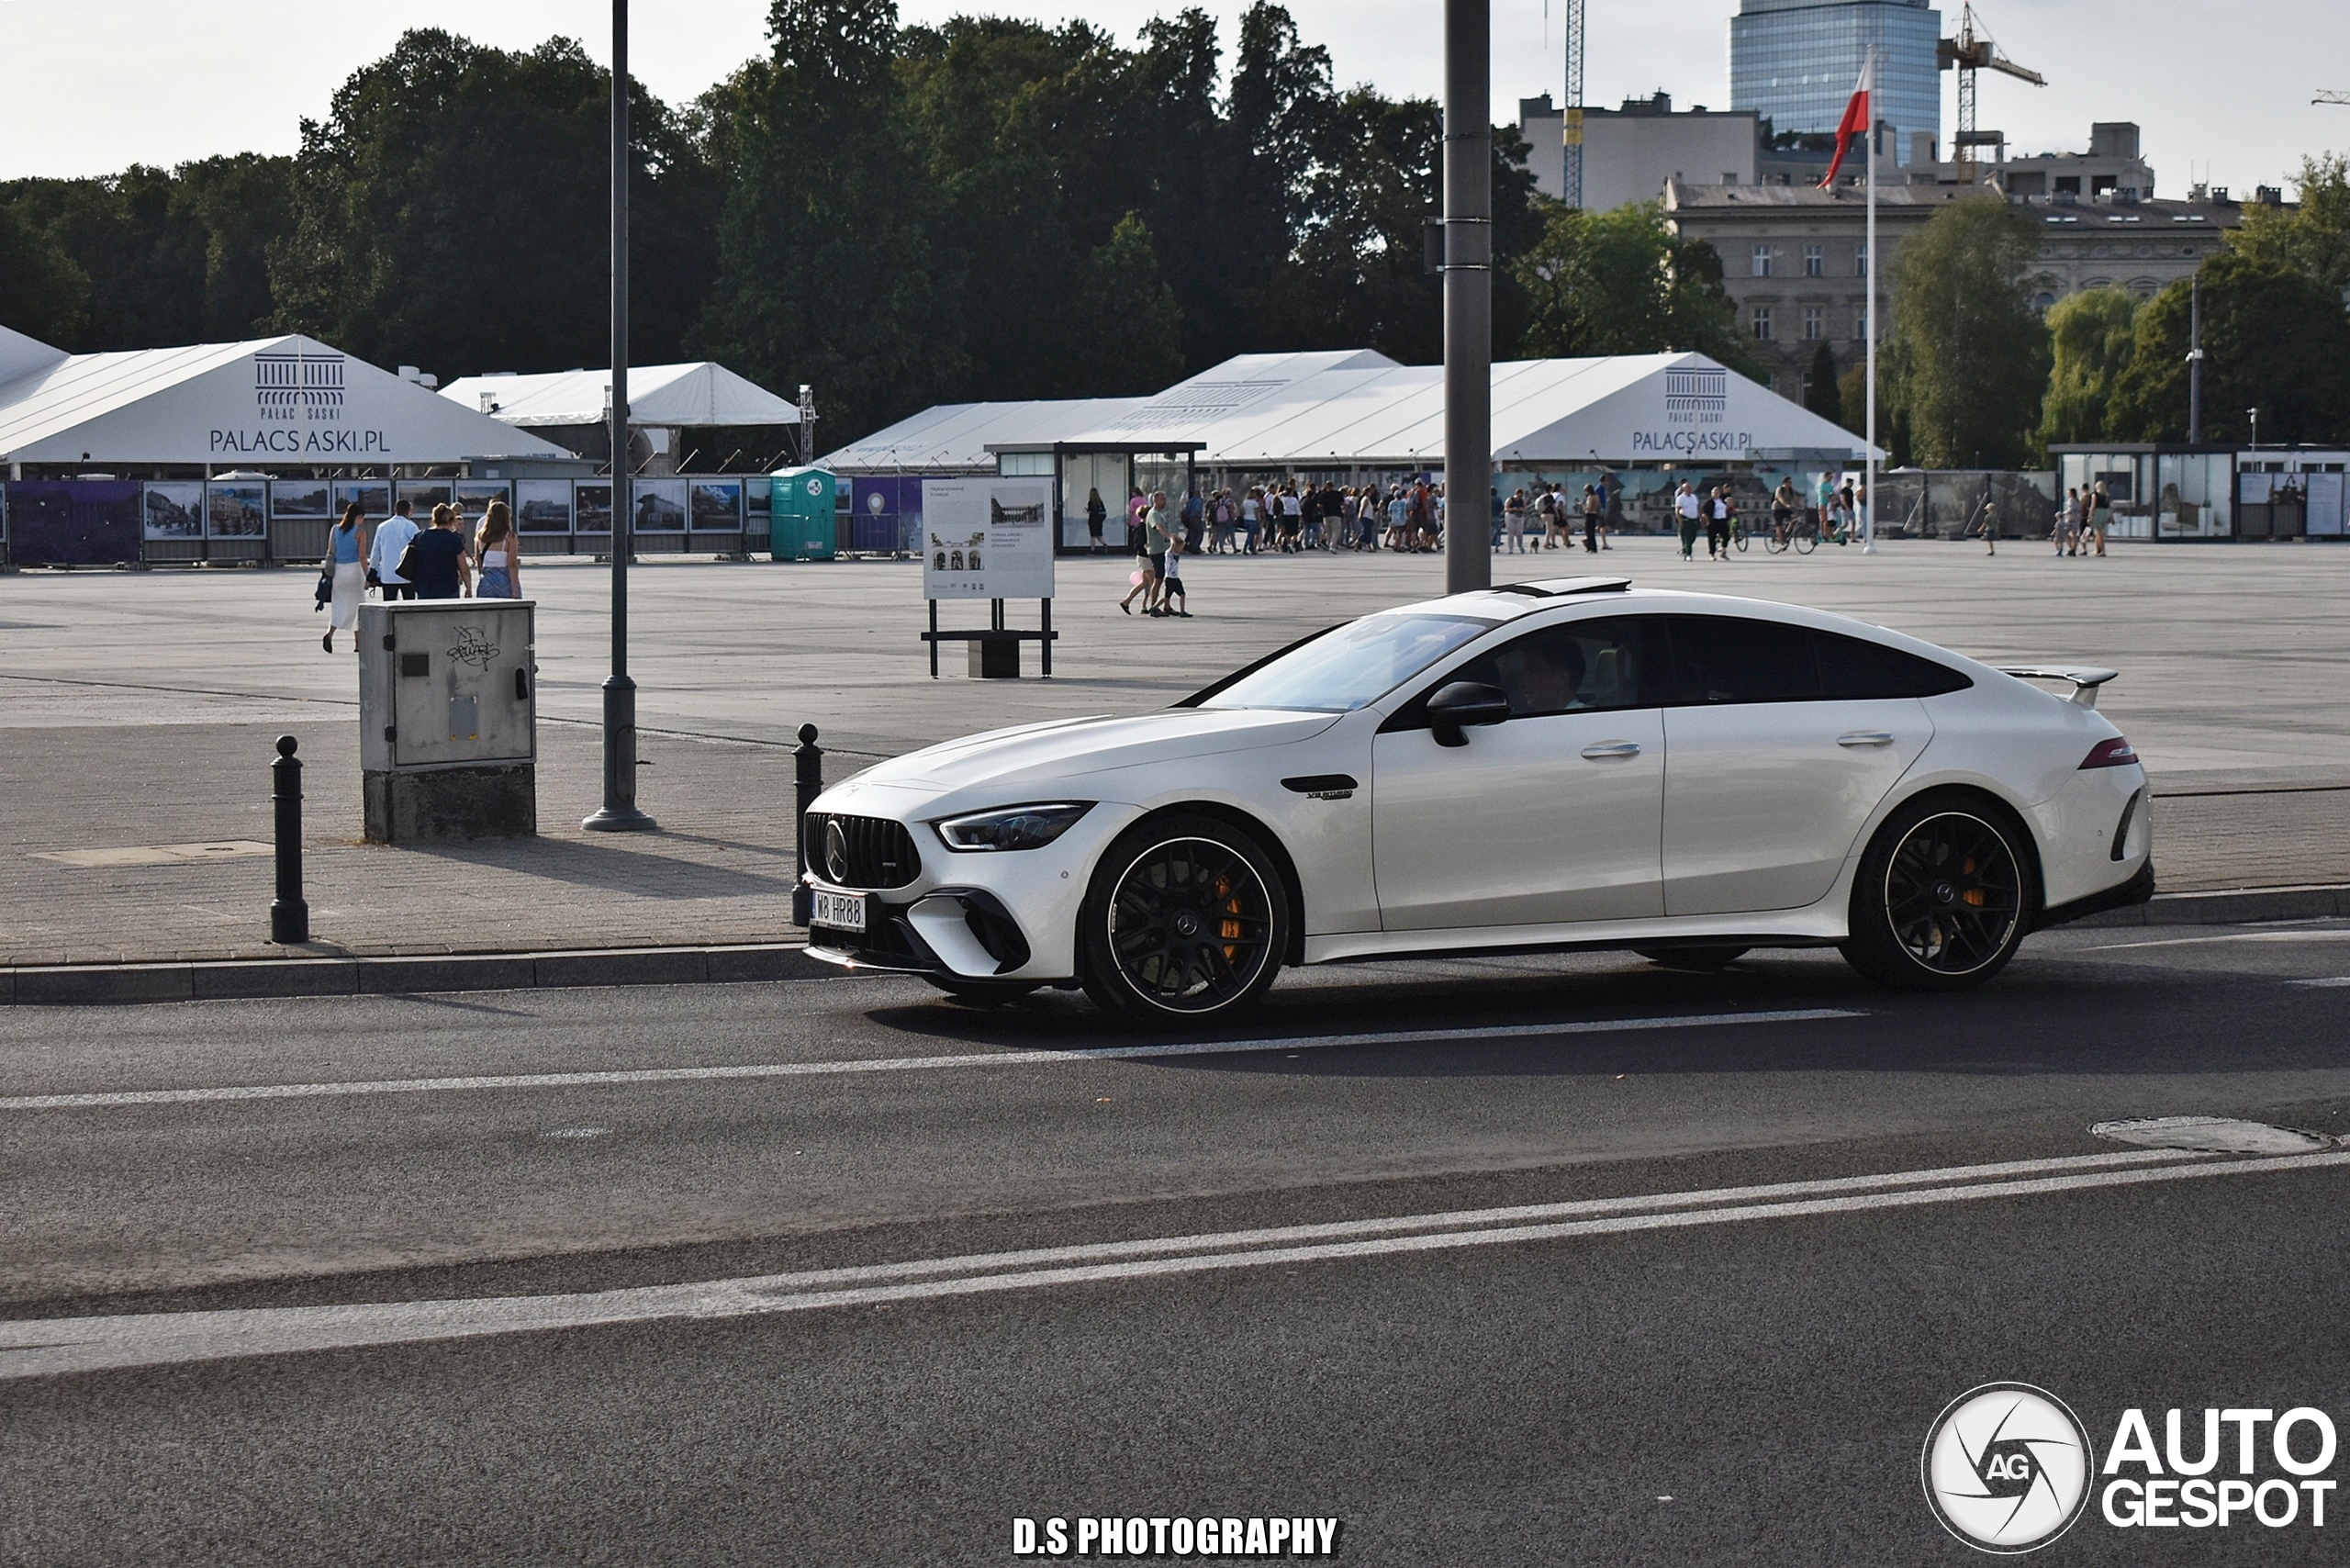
[(1170, 592)]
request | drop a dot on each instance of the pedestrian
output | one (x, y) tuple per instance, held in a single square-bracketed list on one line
[(498, 548), (436, 560), (346, 557), (1848, 514), (1546, 518), (1096, 512), (1195, 520), (1514, 521), (1824, 518), (1717, 524), (1610, 497), (1399, 517), (2101, 515), (1159, 532), (384, 553), (1687, 506), (1252, 517), (1170, 591), (1593, 505), (1309, 519)]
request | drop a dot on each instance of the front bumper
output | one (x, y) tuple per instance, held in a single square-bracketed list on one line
[(955, 932)]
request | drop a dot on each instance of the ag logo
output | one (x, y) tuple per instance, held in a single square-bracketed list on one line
[(2006, 1467)]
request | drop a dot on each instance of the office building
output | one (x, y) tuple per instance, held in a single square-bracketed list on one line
[(1796, 63), (1629, 153)]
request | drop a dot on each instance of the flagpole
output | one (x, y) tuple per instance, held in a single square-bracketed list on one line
[(1868, 493)]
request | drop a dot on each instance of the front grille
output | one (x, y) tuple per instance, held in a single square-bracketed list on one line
[(880, 852)]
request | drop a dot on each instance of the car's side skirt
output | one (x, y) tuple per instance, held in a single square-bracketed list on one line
[(1820, 925)]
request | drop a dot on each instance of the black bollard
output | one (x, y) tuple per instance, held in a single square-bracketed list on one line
[(809, 784), (289, 914)]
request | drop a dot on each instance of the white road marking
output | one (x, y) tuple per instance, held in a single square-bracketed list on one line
[(896, 1064), (54, 1347), (2323, 984), (2236, 936)]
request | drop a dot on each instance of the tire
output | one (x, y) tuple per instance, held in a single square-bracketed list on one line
[(1694, 960), (1945, 893), (1184, 924), (982, 994), (1807, 543)]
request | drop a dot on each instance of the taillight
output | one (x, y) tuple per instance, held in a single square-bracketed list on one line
[(2115, 753)]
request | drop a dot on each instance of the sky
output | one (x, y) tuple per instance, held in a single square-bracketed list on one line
[(2222, 89)]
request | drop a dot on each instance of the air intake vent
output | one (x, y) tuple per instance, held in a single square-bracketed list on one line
[(865, 852)]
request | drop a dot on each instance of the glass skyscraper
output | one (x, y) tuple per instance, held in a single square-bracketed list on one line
[(1798, 61)]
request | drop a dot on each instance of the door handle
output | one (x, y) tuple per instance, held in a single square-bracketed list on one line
[(1605, 750), (1865, 737)]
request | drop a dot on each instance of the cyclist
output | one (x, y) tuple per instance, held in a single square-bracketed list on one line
[(1783, 511)]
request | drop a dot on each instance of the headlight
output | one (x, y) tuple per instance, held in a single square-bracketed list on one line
[(1012, 827)]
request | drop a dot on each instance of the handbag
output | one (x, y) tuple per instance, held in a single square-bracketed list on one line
[(326, 586), (405, 569)]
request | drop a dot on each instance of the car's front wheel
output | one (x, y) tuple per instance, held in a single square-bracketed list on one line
[(1943, 896), (1184, 924)]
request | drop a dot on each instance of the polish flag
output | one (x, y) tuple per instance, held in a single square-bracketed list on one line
[(1855, 123)]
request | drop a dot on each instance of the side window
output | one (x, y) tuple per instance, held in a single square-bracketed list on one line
[(1585, 667), (1726, 658), (1852, 667)]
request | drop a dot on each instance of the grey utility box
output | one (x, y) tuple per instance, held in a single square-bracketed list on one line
[(448, 720)]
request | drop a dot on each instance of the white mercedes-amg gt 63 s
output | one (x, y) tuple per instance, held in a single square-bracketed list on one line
[(1556, 766)]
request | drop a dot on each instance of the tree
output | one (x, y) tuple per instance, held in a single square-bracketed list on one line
[(2092, 335), (42, 293), (1127, 314), (1821, 392), (1620, 282), (2274, 338), (1972, 353), (2311, 238), (454, 211), (828, 269)]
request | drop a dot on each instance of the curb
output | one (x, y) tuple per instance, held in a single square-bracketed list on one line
[(2229, 907), (67, 985)]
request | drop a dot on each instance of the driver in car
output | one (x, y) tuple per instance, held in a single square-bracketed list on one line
[(1541, 675)]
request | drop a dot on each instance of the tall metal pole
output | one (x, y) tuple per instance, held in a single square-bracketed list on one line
[(1468, 295), (1868, 483), (620, 814), (2195, 361)]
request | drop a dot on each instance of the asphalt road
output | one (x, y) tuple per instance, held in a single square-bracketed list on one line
[(835, 1271)]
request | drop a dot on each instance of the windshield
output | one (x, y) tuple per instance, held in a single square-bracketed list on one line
[(1354, 664)]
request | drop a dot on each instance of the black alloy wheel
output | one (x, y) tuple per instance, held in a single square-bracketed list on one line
[(1186, 921), (1942, 899)]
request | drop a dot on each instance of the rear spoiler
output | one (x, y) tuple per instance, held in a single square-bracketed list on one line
[(2086, 679)]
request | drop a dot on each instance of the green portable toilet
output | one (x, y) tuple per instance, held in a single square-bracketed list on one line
[(801, 522)]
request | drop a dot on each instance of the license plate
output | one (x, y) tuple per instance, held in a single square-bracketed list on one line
[(842, 911)]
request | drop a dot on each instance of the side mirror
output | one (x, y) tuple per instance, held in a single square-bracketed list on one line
[(1455, 707)]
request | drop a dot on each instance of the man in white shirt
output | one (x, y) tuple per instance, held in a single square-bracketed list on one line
[(1685, 502), (383, 554)]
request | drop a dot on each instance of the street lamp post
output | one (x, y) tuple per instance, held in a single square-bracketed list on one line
[(1468, 294), (619, 812)]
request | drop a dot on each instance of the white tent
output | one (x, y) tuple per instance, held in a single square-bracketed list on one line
[(1358, 408), (288, 402), (1622, 410), (961, 438), (703, 393)]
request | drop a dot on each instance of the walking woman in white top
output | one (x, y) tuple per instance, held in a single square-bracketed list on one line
[(499, 551)]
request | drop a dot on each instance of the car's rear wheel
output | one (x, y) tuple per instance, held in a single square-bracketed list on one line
[(1943, 896), (1697, 960), (1185, 923)]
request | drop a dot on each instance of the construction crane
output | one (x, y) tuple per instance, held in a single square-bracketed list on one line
[(1970, 51), (2328, 95), (1572, 127)]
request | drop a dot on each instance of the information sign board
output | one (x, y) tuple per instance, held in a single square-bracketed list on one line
[(987, 538)]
